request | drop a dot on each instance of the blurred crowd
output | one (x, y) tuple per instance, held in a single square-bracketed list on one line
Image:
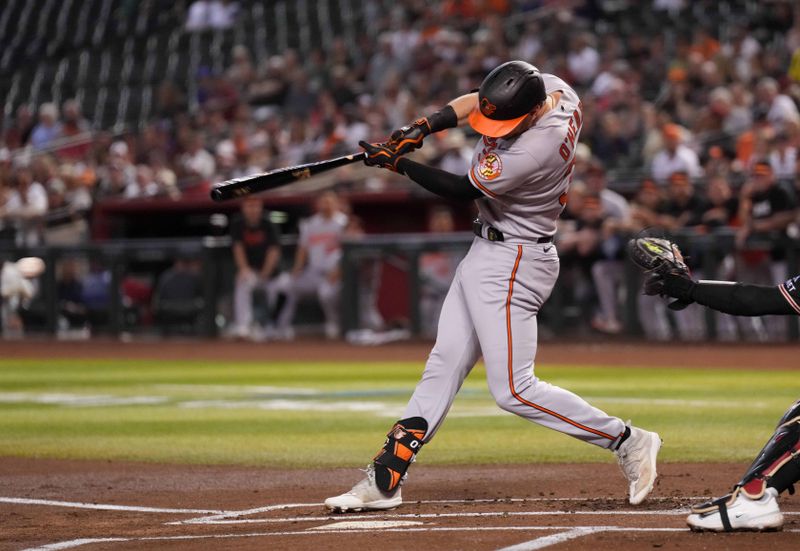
[(690, 114), (753, 222)]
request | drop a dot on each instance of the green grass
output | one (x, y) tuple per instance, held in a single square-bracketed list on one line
[(214, 412)]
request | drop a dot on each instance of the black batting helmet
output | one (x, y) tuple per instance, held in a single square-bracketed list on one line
[(506, 96)]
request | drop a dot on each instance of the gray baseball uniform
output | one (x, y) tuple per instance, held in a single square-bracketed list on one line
[(321, 238), (492, 304)]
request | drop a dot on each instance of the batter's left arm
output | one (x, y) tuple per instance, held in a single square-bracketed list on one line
[(463, 106), (408, 138)]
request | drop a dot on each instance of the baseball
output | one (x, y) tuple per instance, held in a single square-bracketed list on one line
[(30, 266)]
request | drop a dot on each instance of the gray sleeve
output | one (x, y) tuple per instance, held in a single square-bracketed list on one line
[(501, 171)]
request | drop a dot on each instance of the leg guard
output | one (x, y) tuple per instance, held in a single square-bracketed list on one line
[(778, 464), (402, 444)]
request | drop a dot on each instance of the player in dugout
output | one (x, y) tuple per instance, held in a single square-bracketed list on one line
[(752, 505)]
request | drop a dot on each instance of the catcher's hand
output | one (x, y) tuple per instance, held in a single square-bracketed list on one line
[(408, 138), (667, 273), (381, 155)]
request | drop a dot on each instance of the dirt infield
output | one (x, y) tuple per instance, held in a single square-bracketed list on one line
[(728, 356), (91, 505), (484, 507)]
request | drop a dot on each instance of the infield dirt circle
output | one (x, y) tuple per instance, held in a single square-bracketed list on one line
[(91, 505)]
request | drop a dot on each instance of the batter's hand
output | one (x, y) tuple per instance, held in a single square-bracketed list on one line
[(382, 155), (409, 138)]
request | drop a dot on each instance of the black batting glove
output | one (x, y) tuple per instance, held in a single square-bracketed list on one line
[(381, 155), (409, 138)]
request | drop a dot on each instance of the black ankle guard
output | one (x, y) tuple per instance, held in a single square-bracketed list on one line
[(398, 452)]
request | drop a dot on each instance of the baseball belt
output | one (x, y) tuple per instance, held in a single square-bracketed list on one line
[(493, 234)]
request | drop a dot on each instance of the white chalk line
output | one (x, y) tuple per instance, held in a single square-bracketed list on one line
[(75, 543), (84, 541), (107, 507), (553, 539), (273, 398), (225, 515), (482, 514), (364, 524)]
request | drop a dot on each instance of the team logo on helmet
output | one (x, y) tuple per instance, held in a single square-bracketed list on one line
[(487, 107), (490, 167)]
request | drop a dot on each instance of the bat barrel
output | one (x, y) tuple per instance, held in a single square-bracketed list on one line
[(239, 187)]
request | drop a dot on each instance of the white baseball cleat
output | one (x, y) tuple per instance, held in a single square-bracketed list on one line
[(365, 496), (737, 512), (637, 459)]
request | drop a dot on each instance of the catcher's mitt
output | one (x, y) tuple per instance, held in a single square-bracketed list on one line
[(660, 259)]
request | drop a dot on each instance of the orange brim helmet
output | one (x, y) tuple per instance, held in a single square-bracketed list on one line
[(492, 128), (506, 96)]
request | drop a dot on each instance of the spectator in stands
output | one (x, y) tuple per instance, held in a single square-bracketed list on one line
[(211, 14), (197, 162), (73, 127), (114, 182), (241, 71), (766, 211), (316, 266), (766, 207), (48, 128), (645, 206), (781, 110), (271, 85), (256, 254), (683, 207), (119, 156), (436, 271), (18, 134), (164, 176), (608, 270), (675, 156), (614, 204), (723, 115), (170, 100), (723, 206), (783, 158), (25, 208), (301, 98), (583, 60), (143, 184)]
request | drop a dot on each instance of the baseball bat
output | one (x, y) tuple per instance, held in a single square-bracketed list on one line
[(239, 187)]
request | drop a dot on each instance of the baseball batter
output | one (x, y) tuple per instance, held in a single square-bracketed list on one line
[(520, 176)]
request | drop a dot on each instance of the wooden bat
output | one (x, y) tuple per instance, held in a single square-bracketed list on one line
[(239, 187)]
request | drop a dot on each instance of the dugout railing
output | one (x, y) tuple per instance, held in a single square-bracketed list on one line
[(709, 250), (401, 251)]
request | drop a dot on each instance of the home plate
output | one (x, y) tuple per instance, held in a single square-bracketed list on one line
[(366, 524)]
